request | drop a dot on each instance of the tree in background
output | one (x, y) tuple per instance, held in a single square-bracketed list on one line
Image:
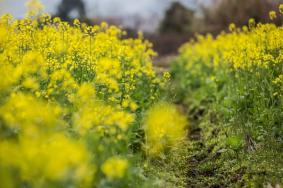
[(66, 7), (223, 12), (178, 19)]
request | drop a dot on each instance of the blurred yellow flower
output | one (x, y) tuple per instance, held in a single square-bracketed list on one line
[(115, 167), (34, 7), (281, 8), (272, 15), (165, 126)]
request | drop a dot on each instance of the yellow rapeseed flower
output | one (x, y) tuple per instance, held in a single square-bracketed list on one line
[(62, 87), (115, 167), (272, 15), (164, 127)]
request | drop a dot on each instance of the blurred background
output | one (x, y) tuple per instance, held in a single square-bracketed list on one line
[(166, 23)]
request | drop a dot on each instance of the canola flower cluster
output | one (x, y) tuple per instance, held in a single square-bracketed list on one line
[(165, 127), (70, 96), (240, 74), (251, 52)]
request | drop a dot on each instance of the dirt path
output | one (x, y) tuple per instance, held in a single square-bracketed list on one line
[(162, 63), (196, 156), (199, 153)]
